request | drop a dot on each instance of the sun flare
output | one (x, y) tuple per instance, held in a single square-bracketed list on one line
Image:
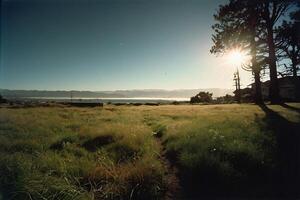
[(237, 57)]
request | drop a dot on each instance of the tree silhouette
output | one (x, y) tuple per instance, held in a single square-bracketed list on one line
[(202, 97), (270, 12), (250, 25), (288, 40), (237, 27)]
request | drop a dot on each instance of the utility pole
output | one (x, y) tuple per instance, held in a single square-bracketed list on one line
[(236, 78)]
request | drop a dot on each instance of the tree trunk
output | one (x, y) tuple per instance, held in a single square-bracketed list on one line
[(295, 80), (274, 88), (256, 71), (255, 67), (258, 96), (294, 68)]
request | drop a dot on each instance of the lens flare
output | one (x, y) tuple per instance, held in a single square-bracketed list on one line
[(237, 57)]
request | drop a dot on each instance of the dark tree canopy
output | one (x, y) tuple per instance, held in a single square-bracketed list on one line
[(288, 42), (249, 26), (238, 27), (202, 97)]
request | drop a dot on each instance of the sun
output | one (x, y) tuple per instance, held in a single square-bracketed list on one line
[(237, 57)]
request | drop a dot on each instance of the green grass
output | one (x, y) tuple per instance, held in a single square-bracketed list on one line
[(110, 152), (63, 153)]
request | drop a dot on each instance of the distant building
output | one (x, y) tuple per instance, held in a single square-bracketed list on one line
[(288, 88)]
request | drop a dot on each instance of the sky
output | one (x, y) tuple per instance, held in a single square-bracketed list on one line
[(111, 45)]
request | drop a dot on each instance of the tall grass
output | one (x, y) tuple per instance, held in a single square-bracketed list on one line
[(110, 152), (62, 153), (225, 151)]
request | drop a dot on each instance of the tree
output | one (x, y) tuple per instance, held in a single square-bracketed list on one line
[(237, 27), (225, 99), (252, 23), (288, 41), (270, 13), (202, 97), (2, 100)]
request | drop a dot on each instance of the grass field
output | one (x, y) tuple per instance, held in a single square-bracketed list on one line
[(111, 153)]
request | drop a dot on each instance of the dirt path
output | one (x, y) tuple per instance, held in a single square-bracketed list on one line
[(173, 187)]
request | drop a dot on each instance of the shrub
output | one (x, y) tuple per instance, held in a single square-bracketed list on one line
[(202, 97)]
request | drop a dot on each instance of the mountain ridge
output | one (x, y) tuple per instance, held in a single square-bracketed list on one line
[(154, 93)]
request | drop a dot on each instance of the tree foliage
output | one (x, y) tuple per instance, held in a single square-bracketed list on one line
[(238, 27), (202, 97), (248, 25), (288, 42)]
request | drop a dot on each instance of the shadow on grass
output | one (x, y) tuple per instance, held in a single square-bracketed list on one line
[(287, 153), (93, 144), (290, 107), (242, 174)]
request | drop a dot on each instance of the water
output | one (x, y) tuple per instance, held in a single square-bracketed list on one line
[(107, 100)]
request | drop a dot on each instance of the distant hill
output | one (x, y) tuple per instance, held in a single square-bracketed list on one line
[(182, 93), (155, 93)]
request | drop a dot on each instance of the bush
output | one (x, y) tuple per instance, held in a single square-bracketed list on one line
[(202, 97), (2, 100), (225, 99)]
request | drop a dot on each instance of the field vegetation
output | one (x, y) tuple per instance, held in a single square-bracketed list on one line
[(116, 152)]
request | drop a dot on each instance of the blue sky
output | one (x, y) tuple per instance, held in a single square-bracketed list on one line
[(111, 44)]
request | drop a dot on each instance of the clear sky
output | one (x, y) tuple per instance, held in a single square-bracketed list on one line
[(111, 44)]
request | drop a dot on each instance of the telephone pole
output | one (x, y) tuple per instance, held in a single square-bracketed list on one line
[(236, 78)]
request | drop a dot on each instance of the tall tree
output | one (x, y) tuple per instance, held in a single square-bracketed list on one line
[(288, 42), (270, 13), (237, 27)]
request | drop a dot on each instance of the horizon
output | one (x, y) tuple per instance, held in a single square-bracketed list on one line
[(146, 89), (111, 45)]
